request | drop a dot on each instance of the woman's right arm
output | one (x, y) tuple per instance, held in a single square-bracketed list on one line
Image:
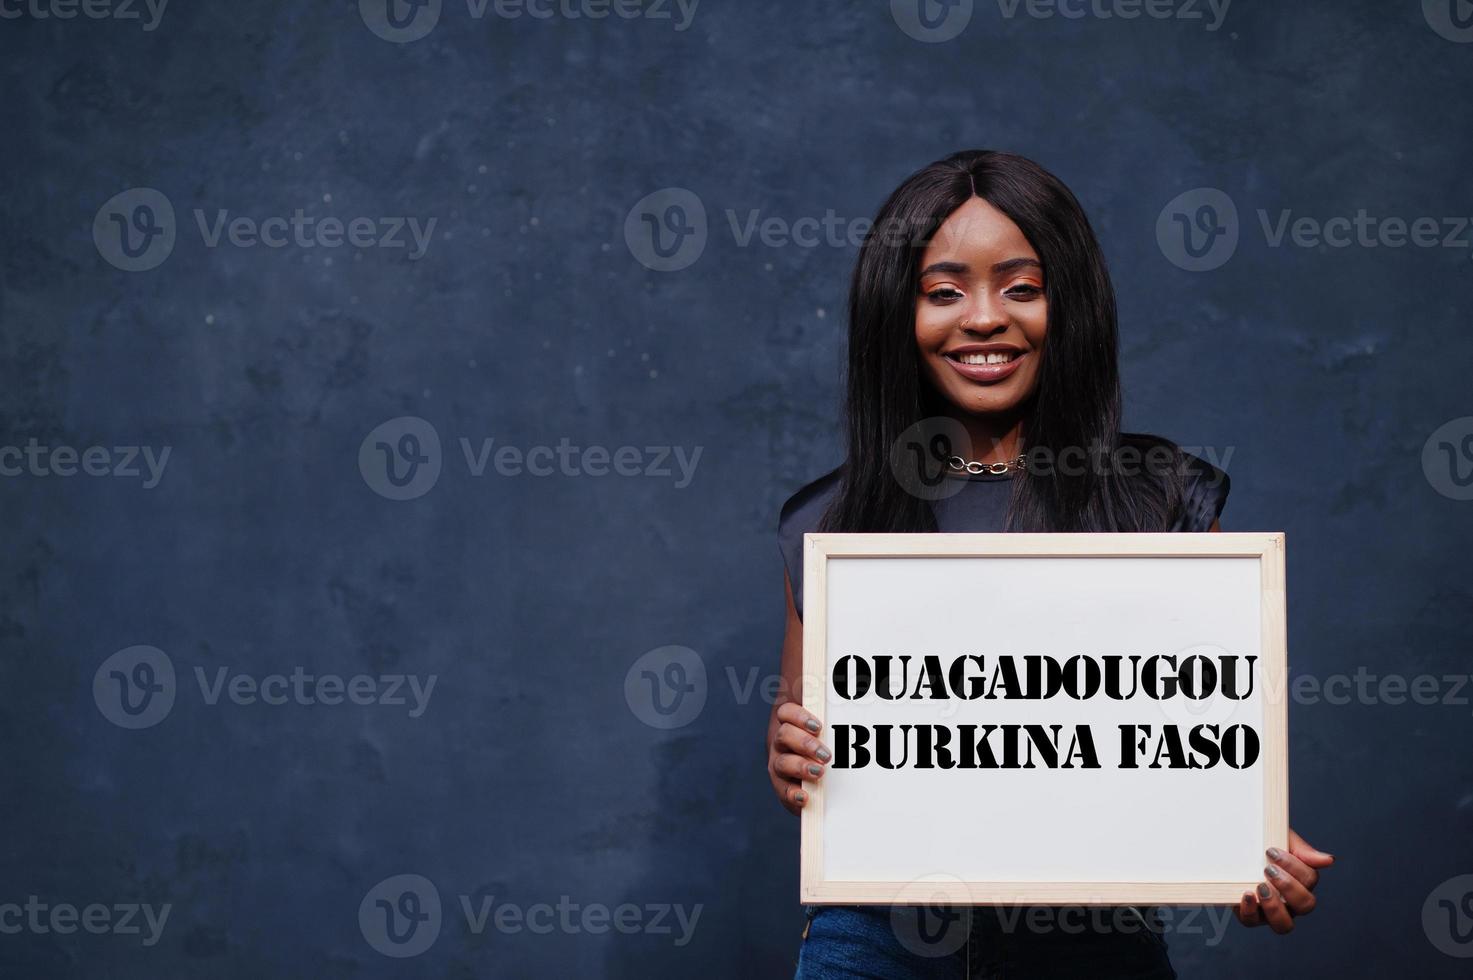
[(794, 752)]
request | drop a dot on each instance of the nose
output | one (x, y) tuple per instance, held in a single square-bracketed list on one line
[(985, 317)]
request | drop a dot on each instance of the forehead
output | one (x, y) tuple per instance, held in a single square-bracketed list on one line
[(975, 232)]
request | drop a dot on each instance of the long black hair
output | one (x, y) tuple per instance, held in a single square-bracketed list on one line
[(1077, 403)]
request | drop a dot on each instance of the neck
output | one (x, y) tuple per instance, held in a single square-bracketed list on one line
[(995, 438)]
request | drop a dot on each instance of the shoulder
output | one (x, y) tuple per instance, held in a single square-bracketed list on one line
[(804, 510), (1204, 493), (1203, 488)]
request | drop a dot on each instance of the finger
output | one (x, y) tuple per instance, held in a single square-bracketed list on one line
[(1247, 911), (1298, 898), (791, 738), (1308, 853), (789, 793), (1274, 912), (1302, 872), (798, 767), (794, 714)]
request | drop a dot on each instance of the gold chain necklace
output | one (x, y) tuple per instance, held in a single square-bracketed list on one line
[(958, 465)]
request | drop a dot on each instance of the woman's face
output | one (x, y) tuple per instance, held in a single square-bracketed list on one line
[(981, 314)]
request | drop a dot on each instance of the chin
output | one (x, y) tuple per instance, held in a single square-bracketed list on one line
[(993, 406)]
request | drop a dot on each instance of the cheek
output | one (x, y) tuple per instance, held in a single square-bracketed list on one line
[(931, 330), (1035, 326)]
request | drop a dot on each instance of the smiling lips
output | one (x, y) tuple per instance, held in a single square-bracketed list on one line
[(985, 364)]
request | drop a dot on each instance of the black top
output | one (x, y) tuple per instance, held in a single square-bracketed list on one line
[(980, 505)]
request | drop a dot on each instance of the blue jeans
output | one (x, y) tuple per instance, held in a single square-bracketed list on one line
[(982, 943)]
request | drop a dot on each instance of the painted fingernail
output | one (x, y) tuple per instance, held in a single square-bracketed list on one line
[(1263, 892), (1274, 853), (1272, 871), (811, 724), (815, 770), (801, 797), (823, 755)]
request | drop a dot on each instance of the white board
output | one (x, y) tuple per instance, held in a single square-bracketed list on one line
[(1041, 832)]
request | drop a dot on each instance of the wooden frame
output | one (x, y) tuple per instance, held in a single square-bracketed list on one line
[(1267, 548)]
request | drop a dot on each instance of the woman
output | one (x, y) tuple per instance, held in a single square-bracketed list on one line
[(983, 395)]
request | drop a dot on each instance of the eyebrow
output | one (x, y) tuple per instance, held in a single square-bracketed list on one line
[(961, 268)]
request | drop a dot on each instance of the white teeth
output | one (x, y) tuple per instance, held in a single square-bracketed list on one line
[(987, 357)]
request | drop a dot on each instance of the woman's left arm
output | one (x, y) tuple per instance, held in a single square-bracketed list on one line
[(1288, 883)]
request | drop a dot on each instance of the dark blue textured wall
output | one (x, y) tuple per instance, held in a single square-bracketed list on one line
[(533, 316)]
